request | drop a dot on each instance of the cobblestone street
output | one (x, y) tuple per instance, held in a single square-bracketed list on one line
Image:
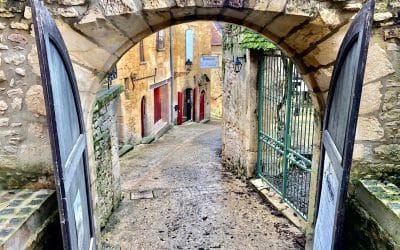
[(178, 196)]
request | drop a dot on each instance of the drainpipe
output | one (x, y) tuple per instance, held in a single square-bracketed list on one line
[(171, 69)]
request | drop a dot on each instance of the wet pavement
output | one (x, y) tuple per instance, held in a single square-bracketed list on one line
[(178, 196)]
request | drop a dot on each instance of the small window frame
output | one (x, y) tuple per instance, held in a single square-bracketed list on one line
[(160, 40), (141, 52)]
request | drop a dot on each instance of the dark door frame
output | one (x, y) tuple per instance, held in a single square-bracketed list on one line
[(202, 105), (66, 171), (143, 116), (188, 103)]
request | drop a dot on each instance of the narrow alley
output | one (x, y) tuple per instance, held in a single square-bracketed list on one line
[(176, 195)]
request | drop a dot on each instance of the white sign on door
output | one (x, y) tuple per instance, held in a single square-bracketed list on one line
[(327, 210)]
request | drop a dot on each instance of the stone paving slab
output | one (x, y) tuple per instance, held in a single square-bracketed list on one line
[(22, 214)]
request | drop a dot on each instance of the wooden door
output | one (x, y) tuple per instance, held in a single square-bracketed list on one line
[(194, 103), (66, 131), (157, 104), (143, 116), (339, 131), (180, 108), (202, 104)]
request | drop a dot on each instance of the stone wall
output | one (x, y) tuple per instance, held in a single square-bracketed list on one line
[(23, 129), (105, 139), (373, 216), (239, 130), (377, 146), (216, 86)]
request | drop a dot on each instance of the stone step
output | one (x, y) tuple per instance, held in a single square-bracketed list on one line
[(125, 149), (24, 216)]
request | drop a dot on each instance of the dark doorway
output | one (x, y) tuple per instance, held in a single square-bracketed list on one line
[(180, 106), (188, 104), (202, 100), (143, 116)]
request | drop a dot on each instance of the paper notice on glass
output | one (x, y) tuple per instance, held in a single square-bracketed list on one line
[(323, 236), (79, 220)]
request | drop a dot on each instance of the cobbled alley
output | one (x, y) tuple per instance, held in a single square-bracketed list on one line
[(177, 195)]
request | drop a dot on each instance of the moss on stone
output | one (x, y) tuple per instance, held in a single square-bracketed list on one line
[(105, 96), (16, 179), (361, 231)]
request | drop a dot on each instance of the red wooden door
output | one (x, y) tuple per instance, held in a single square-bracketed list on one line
[(202, 100), (157, 105), (180, 106), (143, 114), (194, 104)]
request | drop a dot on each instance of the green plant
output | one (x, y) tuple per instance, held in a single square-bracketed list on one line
[(253, 40)]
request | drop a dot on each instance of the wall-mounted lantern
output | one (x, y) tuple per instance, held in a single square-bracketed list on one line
[(204, 79), (188, 65), (238, 64)]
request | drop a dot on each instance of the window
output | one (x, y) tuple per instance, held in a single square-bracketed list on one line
[(141, 51), (160, 40), (157, 104), (189, 46)]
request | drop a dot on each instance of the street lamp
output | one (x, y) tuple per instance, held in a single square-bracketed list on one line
[(238, 64), (188, 65)]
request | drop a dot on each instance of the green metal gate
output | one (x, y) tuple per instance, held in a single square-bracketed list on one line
[(285, 131)]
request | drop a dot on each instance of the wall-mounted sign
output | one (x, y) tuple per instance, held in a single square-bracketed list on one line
[(209, 62)]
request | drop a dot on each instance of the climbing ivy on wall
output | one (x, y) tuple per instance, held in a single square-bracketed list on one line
[(253, 40), (247, 39), (231, 36)]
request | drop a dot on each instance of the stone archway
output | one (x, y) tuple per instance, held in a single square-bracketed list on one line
[(98, 32), (309, 33)]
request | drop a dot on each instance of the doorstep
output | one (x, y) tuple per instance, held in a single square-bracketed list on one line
[(275, 200), (160, 128)]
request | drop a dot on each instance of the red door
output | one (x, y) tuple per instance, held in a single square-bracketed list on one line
[(180, 106), (202, 100), (194, 104), (143, 114), (157, 105)]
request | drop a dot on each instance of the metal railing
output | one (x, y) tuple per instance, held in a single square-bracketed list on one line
[(285, 131)]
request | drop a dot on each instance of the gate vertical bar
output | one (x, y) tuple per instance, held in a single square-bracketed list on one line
[(260, 77), (287, 139)]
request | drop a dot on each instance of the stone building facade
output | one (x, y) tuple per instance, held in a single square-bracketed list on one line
[(145, 71), (98, 33)]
